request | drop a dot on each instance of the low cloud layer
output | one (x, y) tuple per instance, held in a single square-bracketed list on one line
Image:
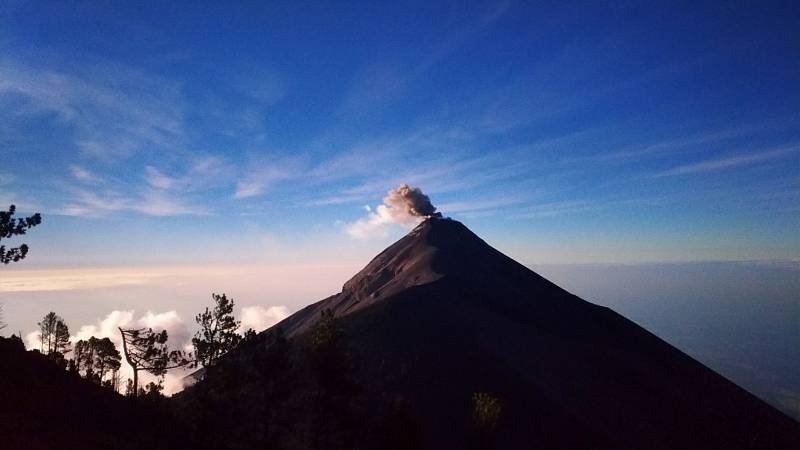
[(179, 338), (256, 317), (405, 206), (260, 318)]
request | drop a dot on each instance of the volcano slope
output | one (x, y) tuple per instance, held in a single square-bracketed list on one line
[(440, 316)]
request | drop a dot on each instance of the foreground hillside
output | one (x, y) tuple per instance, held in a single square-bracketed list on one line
[(44, 407), (443, 342)]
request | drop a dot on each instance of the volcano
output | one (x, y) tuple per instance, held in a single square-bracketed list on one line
[(440, 318)]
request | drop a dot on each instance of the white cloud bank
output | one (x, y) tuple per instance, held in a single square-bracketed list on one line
[(256, 317), (260, 318), (179, 337)]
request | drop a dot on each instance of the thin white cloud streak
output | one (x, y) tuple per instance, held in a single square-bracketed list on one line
[(71, 279), (114, 111), (481, 205), (198, 172), (89, 203), (669, 146), (258, 181), (90, 278), (552, 209), (264, 173), (157, 179), (157, 203), (158, 194), (83, 175), (97, 278), (382, 162), (500, 110), (730, 162), (153, 202)]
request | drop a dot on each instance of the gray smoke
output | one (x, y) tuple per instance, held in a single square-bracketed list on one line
[(412, 201), (405, 205)]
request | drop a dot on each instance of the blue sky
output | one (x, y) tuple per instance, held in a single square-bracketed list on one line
[(189, 134)]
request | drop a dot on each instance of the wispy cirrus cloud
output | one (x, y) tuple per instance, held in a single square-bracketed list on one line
[(159, 203), (439, 158), (83, 175), (264, 173), (157, 179), (177, 190), (729, 162), (482, 205), (157, 195), (671, 145), (196, 172), (114, 111)]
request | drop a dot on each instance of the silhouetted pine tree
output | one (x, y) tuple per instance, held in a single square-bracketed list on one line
[(94, 358), (147, 350), (9, 226), (217, 335), (54, 336)]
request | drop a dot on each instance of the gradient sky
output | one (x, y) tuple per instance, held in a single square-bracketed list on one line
[(179, 149), (180, 134)]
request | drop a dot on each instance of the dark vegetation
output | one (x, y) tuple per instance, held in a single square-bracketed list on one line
[(45, 407), (218, 332), (63, 397), (147, 350), (298, 393), (94, 358), (54, 337), (10, 227)]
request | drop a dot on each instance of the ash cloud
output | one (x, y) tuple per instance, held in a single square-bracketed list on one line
[(405, 205), (412, 201)]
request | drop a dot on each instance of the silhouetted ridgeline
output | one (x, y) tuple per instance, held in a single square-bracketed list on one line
[(42, 406)]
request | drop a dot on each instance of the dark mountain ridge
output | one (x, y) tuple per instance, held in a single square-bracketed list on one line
[(44, 407), (440, 316)]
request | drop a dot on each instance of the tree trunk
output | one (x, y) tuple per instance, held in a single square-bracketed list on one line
[(133, 365)]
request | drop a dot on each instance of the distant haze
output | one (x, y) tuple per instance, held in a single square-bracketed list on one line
[(740, 319)]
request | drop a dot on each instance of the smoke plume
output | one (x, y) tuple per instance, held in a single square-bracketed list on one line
[(405, 205), (412, 201)]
